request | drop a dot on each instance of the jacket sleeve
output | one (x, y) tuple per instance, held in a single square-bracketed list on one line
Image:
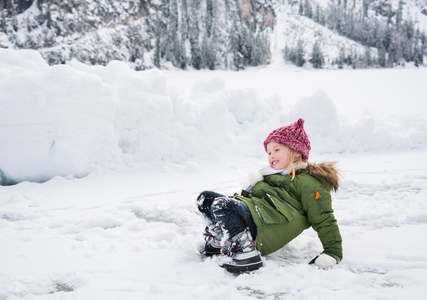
[(317, 203)]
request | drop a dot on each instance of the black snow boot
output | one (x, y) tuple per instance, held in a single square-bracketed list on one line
[(244, 256), (213, 236)]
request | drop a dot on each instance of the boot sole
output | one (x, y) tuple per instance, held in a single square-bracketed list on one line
[(206, 253), (209, 250), (244, 265)]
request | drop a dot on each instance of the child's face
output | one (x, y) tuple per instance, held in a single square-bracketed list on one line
[(278, 155)]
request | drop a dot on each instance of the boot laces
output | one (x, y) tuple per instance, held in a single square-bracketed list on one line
[(208, 236), (234, 248)]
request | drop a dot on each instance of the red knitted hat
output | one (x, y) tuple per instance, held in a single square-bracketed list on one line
[(292, 136)]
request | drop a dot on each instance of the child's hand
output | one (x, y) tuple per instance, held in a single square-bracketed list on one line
[(324, 261)]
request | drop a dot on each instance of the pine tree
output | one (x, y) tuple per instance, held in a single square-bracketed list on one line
[(193, 29), (209, 16), (301, 8), (300, 60), (365, 8), (295, 55), (341, 58), (3, 20), (418, 58), (390, 14), (367, 60), (136, 43), (234, 14), (399, 14), (387, 38), (382, 55), (317, 58), (211, 55), (172, 42), (316, 16), (159, 19), (260, 50), (183, 33), (308, 11), (157, 51), (245, 44), (391, 56)]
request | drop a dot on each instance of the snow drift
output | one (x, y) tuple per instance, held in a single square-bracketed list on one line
[(69, 120)]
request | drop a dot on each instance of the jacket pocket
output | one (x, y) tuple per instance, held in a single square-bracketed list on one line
[(324, 203), (274, 211), (319, 201)]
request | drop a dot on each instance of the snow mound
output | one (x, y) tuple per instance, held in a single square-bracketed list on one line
[(70, 120)]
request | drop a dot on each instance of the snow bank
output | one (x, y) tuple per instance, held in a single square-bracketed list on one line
[(54, 120), (69, 120)]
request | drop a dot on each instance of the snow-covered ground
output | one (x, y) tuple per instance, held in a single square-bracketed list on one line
[(120, 156)]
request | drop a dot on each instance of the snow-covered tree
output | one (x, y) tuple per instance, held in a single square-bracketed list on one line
[(317, 59)]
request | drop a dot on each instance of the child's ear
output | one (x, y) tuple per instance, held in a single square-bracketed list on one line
[(298, 154)]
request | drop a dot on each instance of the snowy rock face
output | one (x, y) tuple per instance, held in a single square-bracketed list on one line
[(19, 5), (263, 11), (219, 34), (199, 34)]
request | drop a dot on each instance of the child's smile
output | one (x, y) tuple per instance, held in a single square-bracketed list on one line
[(278, 155)]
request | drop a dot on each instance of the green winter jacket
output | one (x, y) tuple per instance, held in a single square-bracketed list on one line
[(282, 208)]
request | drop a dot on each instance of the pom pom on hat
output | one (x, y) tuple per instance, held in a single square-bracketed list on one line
[(292, 136)]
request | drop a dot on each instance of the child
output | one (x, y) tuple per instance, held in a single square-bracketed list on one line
[(281, 201)]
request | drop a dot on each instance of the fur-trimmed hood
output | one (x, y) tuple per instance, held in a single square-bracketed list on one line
[(327, 170)]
